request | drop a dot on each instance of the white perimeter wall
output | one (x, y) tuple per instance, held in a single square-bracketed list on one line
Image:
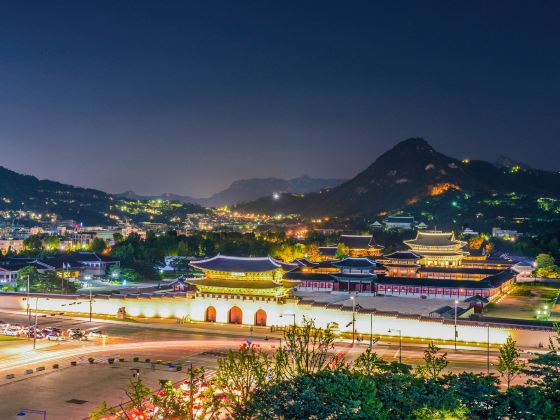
[(195, 308)]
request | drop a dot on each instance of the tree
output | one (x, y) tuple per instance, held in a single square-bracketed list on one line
[(313, 252), (118, 237), (509, 364), (240, 372), (342, 251), (98, 245), (544, 370), (22, 277), (431, 413), (324, 395), (100, 411), (544, 261), (168, 403), (33, 243), (51, 242), (433, 363), (306, 350), (369, 362), (526, 402), (46, 282), (545, 266), (171, 402), (479, 393)]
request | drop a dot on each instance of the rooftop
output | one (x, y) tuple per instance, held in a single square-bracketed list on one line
[(355, 263), (358, 241), (403, 255), (241, 264), (435, 239)]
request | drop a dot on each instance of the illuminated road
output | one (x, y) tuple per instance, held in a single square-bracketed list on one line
[(127, 338), (200, 344)]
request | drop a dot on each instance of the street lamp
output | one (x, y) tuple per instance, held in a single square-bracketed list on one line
[(28, 307), (456, 303), (191, 386), (25, 411), (400, 342), (294, 315), (370, 330), (353, 318), (488, 349)]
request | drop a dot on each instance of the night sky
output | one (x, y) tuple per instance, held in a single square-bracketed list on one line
[(189, 96)]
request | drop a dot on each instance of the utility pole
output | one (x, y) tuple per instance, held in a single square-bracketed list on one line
[(35, 329), (90, 305), (488, 349), (400, 343), (370, 330), (28, 304), (191, 390), (456, 303), (353, 318)]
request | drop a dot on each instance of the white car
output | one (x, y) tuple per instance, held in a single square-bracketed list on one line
[(12, 331), (73, 331), (97, 334), (55, 337)]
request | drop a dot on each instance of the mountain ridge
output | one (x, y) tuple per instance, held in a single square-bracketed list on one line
[(410, 171), (40, 199), (246, 190)]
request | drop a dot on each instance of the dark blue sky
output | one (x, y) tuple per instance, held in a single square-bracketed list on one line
[(189, 96)]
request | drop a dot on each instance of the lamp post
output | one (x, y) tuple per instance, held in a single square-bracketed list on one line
[(456, 303), (90, 305), (294, 315), (191, 386), (488, 349), (35, 329), (28, 306), (25, 411), (371, 330), (353, 318), (400, 342)]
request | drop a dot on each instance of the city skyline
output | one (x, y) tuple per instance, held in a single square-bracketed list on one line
[(188, 98)]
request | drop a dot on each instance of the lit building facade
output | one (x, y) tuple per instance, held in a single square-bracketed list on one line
[(438, 248), (361, 245)]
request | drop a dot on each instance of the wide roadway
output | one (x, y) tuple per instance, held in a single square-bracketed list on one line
[(199, 344)]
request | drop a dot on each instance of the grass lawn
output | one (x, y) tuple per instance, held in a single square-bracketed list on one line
[(523, 302), (10, 338)]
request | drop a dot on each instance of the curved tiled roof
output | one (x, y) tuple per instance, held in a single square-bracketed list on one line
[(235, 284), (241, 264), (358, 241), (403, 255), (327, 251), (355, 262), (486, 283), (433, 238)]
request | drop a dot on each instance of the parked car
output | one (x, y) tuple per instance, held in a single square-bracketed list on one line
[(97, 334), (35, 334), (78, 336), (52, 330), (72, 331), (55, 337), (12, 331)]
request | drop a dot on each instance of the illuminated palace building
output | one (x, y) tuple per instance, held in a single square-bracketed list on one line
[(239, 290), (435, 266), (357, 246)]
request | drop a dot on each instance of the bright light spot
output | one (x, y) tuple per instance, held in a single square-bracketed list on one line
[(276, 196)]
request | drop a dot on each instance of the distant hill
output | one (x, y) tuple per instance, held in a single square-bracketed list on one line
[(248, 190), (507, 162), (407, 174), (42, 197)]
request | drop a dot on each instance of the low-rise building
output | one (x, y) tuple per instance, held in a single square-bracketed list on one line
[(399, 222)]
